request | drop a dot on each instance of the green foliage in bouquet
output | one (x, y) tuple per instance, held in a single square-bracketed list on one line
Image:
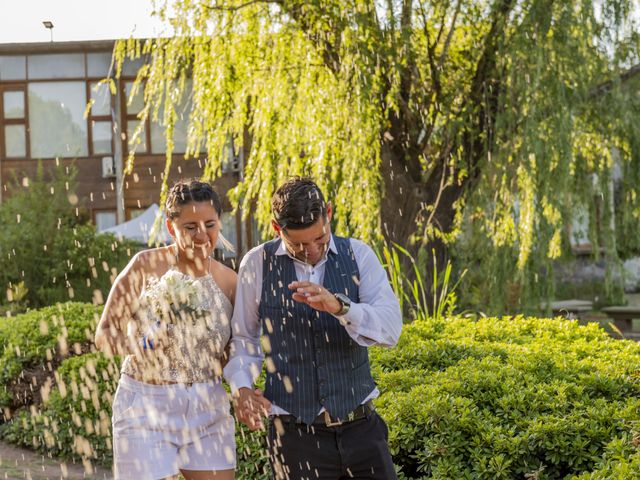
[(509, 398)]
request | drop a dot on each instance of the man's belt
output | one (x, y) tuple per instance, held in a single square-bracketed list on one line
[(361, 411)]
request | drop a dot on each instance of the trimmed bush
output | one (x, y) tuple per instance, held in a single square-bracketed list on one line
[(621, 460), (508, 398), (512, 398), (75, 420), (33, 344)]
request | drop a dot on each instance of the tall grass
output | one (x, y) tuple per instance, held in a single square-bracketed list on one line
[(439, 301)]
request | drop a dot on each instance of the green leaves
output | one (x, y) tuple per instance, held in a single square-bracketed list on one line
[(47, 248), (409, 115), (506, 398)]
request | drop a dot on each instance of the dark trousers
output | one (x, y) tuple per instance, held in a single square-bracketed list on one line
[(355, 449)]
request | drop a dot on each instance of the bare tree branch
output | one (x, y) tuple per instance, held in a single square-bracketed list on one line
[(447, 42)]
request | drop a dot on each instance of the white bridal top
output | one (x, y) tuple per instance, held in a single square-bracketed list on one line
[(188, 321)]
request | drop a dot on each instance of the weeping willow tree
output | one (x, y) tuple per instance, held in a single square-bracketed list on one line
[(426, 122)]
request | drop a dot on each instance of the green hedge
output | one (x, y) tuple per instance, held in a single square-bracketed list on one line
[(75, 421), (39, 340), (510, 398)]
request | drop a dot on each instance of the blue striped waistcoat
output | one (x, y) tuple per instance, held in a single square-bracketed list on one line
[(311, 360)]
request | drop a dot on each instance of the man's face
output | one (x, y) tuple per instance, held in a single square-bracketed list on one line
[(307, 244)]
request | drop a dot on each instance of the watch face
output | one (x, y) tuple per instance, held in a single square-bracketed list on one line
[(344, 300)]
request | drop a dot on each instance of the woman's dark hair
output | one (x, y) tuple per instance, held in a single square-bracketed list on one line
[(185, 192), (298, 203)]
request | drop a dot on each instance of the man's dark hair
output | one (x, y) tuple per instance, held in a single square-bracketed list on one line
[(185, 192), (298, 203)]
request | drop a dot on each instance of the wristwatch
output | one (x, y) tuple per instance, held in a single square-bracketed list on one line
[(344, 301)]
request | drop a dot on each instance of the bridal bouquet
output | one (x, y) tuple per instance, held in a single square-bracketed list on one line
[(172, 299)]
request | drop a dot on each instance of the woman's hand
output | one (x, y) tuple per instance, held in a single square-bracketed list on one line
[(251, 407)]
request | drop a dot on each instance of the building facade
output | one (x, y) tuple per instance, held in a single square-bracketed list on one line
[(44, 119)]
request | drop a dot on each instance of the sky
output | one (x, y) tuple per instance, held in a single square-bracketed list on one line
[(21, 20)]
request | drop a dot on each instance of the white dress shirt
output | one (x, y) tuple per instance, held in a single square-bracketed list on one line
[(375, 320)]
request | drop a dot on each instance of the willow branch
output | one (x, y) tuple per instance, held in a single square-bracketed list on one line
[(447, 42), (239, 7)]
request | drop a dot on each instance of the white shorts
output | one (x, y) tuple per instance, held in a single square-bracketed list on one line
[(160, 429)]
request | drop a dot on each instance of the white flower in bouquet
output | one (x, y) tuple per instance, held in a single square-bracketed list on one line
[(173, 298)]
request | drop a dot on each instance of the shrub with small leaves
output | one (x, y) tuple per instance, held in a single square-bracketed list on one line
[(32, 345), (509, 398), (75, 420)]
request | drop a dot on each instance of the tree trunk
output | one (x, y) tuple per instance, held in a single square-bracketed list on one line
[(403, 217)]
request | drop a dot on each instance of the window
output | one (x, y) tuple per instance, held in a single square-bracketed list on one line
[(13, 104), (105, 219), (140, 143), (13, 67), (228, 230), (101, 141), (56, 119), (101, 97), (14, 122), (43, 101), (100, 119), (98, 64), (152, 139), (55, 65), (15, 141), (158, 129), (134, 103)]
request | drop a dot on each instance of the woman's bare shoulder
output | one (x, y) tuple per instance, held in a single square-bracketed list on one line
[(225, 277), (154, 260), (223, 270)]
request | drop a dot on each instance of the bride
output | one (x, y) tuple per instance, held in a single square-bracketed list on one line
[(168, 315)]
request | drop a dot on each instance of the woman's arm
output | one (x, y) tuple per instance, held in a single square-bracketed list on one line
[(122, 303)]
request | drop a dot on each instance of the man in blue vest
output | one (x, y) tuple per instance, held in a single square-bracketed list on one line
[(308, 304)]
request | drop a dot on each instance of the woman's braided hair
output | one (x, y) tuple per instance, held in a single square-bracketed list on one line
[(185, 192)]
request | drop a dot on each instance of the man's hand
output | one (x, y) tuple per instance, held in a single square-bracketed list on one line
[(316, 296), (251, 407)]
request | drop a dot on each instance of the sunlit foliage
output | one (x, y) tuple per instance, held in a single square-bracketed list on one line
[(49, 252), (415, 117), (510, 398), (507, 397)]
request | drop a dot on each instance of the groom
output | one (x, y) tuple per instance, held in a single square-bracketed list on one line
[(311, 303)]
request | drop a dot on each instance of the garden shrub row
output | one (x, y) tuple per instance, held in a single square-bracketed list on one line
[(32, 344), (511, 398)]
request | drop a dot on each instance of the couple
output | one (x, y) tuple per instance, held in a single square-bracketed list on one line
[(307, 304)]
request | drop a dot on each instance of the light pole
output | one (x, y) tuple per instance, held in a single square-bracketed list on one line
[(49, 25)]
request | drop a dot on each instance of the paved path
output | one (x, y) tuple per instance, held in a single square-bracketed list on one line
[(18, 463)]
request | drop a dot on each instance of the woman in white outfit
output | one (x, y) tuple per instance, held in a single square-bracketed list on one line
[(168, 315)]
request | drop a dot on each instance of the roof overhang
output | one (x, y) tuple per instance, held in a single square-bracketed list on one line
[(56, 47)]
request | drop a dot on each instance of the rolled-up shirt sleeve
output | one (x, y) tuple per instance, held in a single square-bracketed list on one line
[(376, 319), (246, 355)]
